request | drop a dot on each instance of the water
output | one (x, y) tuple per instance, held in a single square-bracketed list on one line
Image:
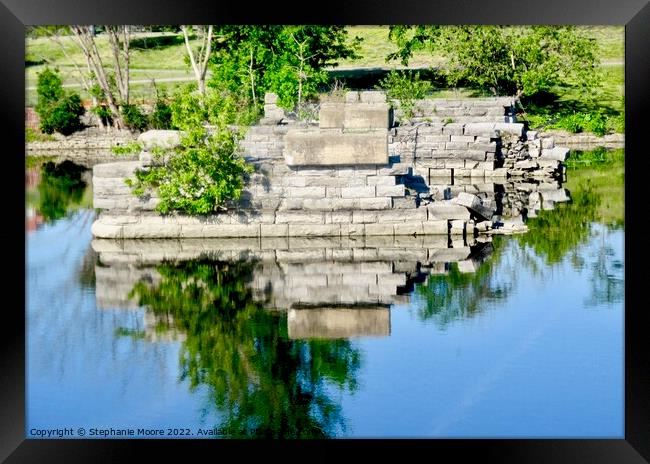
[(518, 337)]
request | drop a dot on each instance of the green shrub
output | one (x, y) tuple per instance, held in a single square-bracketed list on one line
[(199, 176), (134, 117), (59, 111), (161, 117), (405, 87)]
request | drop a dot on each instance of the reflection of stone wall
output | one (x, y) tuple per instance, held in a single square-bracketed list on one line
[(332, 287), (338, 322)]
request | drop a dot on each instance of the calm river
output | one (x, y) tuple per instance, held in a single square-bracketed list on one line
[(336, 340)]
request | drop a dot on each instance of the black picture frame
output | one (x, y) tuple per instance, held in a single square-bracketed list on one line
[(634, 14)]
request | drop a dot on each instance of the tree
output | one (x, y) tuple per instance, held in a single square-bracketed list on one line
[(199, 60), (511, 60), (263, 384), (58, 110), (113, 85), (287, 60)]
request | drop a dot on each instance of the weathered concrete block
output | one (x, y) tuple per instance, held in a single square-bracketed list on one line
[(358, 192), (510, 128), (456, 226), (379, 229), (462, 138), (270, 98), (456, 145), (380, 180), (314, 230), (331, 115), (363, 217), (166, 139), (351, 97), (453, 129), (375, 203), (401, 215), (304, 147), (372, 96), (435, 227), (102, 230), (338, 217), (366, 116), (391, 190), (338, 323), (122, 169), (274, 230), (306, 192), (299, 217), (548, 142), (446, 210), (408, 228), (556, 153), (475, 204)]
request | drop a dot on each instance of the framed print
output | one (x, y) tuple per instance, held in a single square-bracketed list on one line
[(410, 225)]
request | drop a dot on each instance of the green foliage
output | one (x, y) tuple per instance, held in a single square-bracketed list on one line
[(263, 384), (596, 122), (134, 118), (32, 135), (252, 60), (161, 116), (406, 87), (129, 148), (219, 107), (61, 187), (59, 111), (199, 176), (507, 60), (458, 295)]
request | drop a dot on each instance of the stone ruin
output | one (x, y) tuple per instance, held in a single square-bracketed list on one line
[(363, 170)]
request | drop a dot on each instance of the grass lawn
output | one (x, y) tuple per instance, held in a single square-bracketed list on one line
[(162, 56)]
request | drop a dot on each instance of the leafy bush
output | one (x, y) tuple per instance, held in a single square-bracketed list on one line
[(199, 177), (405, 87), (134, 117), (129, 148), (161, 117), (59, 111)]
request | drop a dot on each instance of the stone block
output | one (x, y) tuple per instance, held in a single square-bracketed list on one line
[(358, 192), (379, 229), (462, 138), (351, 97), (475, 204), (401, 215), (548, 142), (408, 228), (366, 116), (455, 145), (314, 230), (270, 98), (122, 169), (274, 230), (380, 180), (453, 129), (299, 217), (305, 147), (166, 139), (375, 203), (457, 227), (446, 210), (556, 153), (331, 115), (306, 192), (435, 227), (391, 190), (371, 96), (515, 128)]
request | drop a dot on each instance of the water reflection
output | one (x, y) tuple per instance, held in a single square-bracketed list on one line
[(297, 337), (263, 382), (55, 190)]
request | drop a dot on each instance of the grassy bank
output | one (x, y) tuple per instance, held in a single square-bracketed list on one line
[(161, 56)]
